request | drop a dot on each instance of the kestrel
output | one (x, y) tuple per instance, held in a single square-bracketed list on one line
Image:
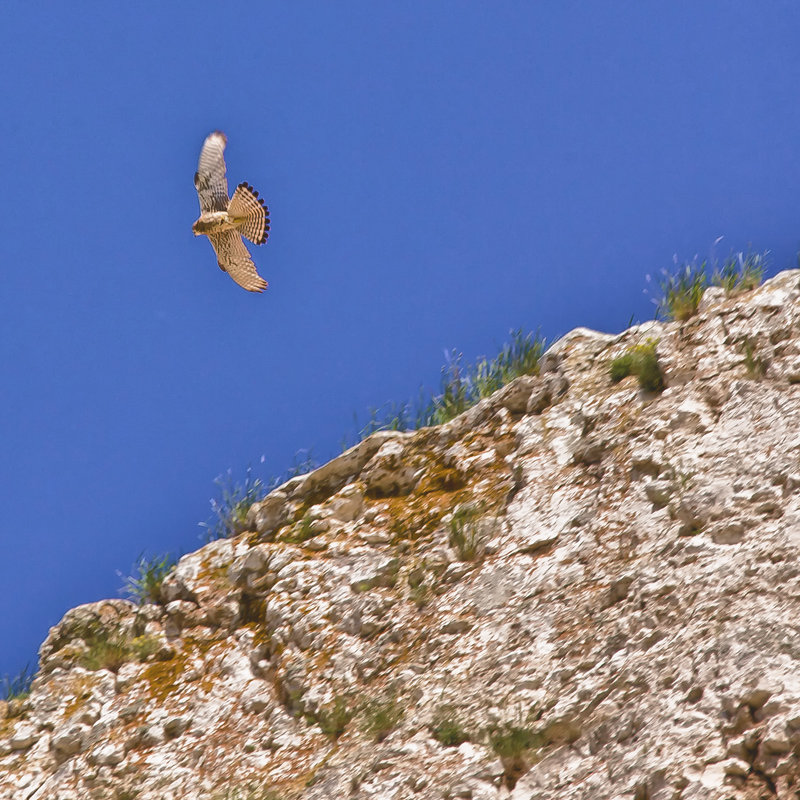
[(225, 221)]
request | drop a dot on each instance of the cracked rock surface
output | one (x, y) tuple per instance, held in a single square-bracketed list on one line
[(575, 589)]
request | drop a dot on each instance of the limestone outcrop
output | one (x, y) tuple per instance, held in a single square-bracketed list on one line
[(576, 589)]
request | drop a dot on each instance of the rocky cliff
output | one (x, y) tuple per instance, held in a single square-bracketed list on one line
[(576, 589)]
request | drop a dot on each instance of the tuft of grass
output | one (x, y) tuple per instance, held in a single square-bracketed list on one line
[(107, 653), (511, 741), (462, 386), (682, 290), (447, 729), (144, 586), (111, 649), (740, 272), (17, 687), (755, 365), (229, 510), (380, 717), (465, 535), (301, 531), (334, 718), (640, 360)]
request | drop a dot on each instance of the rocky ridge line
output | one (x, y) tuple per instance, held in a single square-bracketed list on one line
[(594, 587)]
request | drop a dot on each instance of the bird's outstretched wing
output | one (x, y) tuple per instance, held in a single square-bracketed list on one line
[(209, 180), (233, 258)]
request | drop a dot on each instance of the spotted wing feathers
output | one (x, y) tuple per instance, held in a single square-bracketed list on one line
[(250, 214), (233, 258), (210, 180)]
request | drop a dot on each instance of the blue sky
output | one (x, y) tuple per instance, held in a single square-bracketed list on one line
[(437, 174)]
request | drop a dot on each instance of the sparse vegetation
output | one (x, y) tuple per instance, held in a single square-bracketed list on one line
[(379, 717), (640, 360), (229, 510), (110, 649), (756, 366), (447, 729), (466, 536), (511, 741), (301, 531), (740, 272), (149, 573), (682, 290), (334, 718), (514, 744), (462, 386), (17, 687)]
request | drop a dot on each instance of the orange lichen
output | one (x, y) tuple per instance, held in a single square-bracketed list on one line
[(163, 677)]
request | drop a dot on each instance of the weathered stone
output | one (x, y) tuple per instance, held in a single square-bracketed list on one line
[(267, 515), (23, 737), (587, 651), (388, 473)]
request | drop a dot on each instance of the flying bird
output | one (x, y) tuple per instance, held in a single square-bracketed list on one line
[(225, 220)]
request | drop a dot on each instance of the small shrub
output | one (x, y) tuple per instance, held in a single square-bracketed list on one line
[(145, 585), (466, 536), (144, 646), (17, 687), (333, 719), (420, 595), (640, 360), (447, 729), (380, 718)]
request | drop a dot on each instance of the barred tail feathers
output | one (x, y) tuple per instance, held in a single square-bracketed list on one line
[(250, 214)]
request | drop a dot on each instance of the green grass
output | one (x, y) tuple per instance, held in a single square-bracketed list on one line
[(461, 387), (740, 272), (446, 728), (380, 717), (682, 290), (511, 741), (144, 586), (110, 649), (465, 535), (334, 718), (640, 360), (17, 687), (755, 365), (229, 509)]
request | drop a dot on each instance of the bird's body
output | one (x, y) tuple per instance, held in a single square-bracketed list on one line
[(225, 220)]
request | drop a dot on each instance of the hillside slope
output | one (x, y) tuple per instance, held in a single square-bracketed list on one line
[(576, 589)]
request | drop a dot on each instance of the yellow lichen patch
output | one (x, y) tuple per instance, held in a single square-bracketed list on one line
[(163, 677), (80, 688)]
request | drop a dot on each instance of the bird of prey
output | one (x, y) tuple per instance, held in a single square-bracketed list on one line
[(225, 221)]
